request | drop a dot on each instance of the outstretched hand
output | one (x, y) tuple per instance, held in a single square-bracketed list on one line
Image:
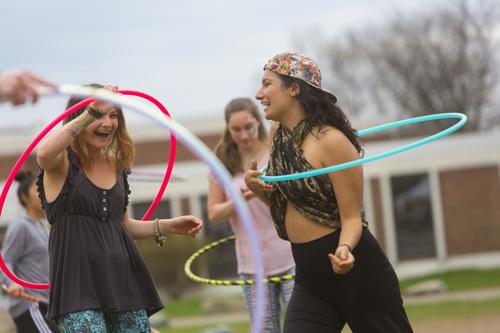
[(184, 225), (20, 85)]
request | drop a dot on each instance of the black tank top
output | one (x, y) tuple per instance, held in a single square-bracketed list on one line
[(94, 262)]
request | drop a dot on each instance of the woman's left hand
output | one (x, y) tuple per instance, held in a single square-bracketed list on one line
[(104, 106), (183, 225), (342, 261)]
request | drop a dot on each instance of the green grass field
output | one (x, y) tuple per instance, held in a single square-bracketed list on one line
[(184, 307), (456, 281), (416, 313), (461, 280), (453, 310)]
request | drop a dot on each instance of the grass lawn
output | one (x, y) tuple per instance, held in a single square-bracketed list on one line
[(453, 310), (460, 280), (455, 280), (417, 314), (184, 307)]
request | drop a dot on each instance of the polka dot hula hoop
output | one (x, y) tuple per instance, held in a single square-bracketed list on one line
[(44, 132), (316, 172), (215, 282), (201, 151)]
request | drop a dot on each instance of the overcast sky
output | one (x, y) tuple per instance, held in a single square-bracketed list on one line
[(192, 55)]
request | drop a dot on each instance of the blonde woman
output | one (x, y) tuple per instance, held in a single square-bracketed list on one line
[(99, 282)]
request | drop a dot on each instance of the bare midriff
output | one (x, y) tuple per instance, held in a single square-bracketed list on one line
[(301, 229)]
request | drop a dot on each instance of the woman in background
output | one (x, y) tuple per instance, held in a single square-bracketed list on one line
[(244, 142)]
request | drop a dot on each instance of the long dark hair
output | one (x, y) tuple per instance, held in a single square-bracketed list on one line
[(226, 149), (25, 180), (321, 109)]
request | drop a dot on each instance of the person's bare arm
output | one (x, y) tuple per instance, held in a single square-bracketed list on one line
[(219, 208), (182, 225), (335, 149)]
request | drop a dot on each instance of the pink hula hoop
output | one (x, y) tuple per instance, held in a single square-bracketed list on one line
[(43, 133)]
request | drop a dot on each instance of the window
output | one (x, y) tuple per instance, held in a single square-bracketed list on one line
[(163, 209), (413, 217)]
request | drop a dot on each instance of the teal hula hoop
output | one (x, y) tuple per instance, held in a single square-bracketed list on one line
[(376, 157)]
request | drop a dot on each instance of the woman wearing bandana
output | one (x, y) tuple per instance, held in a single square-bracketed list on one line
[(342, 275)]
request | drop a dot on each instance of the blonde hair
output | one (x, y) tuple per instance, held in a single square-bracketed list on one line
[(226, 149)]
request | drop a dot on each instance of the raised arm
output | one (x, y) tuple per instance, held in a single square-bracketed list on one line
[(51, 153)]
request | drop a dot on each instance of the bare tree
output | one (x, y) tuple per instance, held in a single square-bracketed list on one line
[(441, 61)]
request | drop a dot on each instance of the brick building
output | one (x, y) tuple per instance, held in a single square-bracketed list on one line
[(437, 207)]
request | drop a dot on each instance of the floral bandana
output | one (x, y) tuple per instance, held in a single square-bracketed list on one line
[(299, 66)]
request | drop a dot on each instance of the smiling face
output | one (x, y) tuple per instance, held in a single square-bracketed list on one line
[(100, 134), (244, 129), (275, 98)]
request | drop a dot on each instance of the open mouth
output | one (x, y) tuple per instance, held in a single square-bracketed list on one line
[(103, 135), (265, 105)]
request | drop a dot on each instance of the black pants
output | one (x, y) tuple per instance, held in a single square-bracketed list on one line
[(367, 298), (33, 320)]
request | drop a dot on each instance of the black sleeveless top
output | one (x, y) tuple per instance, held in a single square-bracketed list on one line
[(312, 197), (94, 262)]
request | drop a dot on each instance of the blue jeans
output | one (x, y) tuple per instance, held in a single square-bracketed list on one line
[(98, 321), (274, 291)]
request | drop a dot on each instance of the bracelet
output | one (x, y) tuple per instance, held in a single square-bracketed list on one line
[(160, 238), (345, 244), (94, 113)]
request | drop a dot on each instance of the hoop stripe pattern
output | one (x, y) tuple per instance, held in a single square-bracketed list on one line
[(215, 282)]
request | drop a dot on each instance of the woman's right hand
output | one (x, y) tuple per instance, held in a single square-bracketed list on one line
[(253, 182)]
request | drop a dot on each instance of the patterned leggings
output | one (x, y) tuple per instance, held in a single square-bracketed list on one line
[(98, 321), (274, 291)]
